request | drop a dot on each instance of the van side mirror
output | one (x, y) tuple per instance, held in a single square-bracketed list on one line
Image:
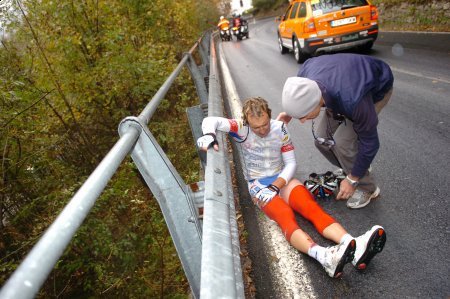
[(279, 19)]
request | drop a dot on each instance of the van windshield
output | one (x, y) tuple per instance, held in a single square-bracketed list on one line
[(326, 6)]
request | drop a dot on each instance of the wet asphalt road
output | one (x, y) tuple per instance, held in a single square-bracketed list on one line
[(412, 169)]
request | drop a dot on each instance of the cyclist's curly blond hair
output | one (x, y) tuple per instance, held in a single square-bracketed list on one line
[(255, 106)]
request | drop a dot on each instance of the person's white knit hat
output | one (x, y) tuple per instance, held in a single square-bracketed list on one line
[(300, 96)]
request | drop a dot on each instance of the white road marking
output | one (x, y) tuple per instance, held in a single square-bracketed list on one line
[(420, 75), (288, 270)]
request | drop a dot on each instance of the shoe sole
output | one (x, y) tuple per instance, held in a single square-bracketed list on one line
[(375, 246), (375, 194), (347, 257)]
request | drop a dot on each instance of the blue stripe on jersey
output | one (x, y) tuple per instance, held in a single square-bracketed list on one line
[(236, 136), (266, 181)]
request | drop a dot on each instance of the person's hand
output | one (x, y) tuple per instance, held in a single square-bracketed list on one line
[(206, 141), (254, 189), (284, 117), (346, 190), (265, 195)]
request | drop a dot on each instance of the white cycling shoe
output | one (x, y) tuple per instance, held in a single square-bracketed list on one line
[(337, 256), (368, 245)]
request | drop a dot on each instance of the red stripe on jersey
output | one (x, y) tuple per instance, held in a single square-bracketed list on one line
[(287, 148), (233, 125)]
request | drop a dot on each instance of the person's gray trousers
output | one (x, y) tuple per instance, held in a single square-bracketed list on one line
[(344, 153)]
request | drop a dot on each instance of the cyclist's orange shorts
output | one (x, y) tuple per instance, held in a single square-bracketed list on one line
[(301, 201)]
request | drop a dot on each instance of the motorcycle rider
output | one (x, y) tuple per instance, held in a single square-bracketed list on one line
[(237, 21), (224, 24)]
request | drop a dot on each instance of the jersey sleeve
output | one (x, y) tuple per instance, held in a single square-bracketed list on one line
[(234, 127), (288, 155)]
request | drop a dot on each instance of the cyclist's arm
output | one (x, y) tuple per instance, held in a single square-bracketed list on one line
[(288, 155)]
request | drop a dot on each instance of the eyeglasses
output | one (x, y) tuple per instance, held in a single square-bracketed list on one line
[(323, 141)]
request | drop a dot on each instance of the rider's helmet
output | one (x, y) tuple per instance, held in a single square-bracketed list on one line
[(221, 18)]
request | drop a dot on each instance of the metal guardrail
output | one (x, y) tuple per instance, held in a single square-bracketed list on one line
[(208, 249)]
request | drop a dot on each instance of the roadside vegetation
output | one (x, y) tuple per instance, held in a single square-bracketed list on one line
[(69, 72)]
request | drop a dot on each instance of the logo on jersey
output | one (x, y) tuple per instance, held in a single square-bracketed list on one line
[(234, 129), (286, 138), (283, 129), (287, 147)]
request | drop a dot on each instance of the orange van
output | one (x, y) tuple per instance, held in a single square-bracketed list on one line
[(311, 27)]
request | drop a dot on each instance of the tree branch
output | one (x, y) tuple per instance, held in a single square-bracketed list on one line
[(29, 107), (55, 81)]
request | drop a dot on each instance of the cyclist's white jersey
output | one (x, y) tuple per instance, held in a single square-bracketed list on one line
[(263, 156)]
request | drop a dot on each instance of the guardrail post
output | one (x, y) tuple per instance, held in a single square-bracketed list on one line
[(198, 79), (196, 114), (174, 198), (204, 50)]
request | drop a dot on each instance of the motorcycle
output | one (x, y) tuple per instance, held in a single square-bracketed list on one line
[(241, 31), (225, 34)]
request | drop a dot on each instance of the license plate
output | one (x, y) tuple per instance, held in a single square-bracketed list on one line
[(349, 37), (341, 22)]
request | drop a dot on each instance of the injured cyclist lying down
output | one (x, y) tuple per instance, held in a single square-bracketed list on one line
[(270, 165)]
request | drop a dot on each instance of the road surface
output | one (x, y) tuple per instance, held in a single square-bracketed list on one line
[(412, 169)]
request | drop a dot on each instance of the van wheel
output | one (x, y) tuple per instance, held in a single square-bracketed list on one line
[(298, 53), (283, 49)]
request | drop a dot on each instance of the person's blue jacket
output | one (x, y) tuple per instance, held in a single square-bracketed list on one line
[(350, 86)]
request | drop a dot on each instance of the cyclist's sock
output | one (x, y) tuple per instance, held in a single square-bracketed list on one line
[(346, 237), (317, 252)]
